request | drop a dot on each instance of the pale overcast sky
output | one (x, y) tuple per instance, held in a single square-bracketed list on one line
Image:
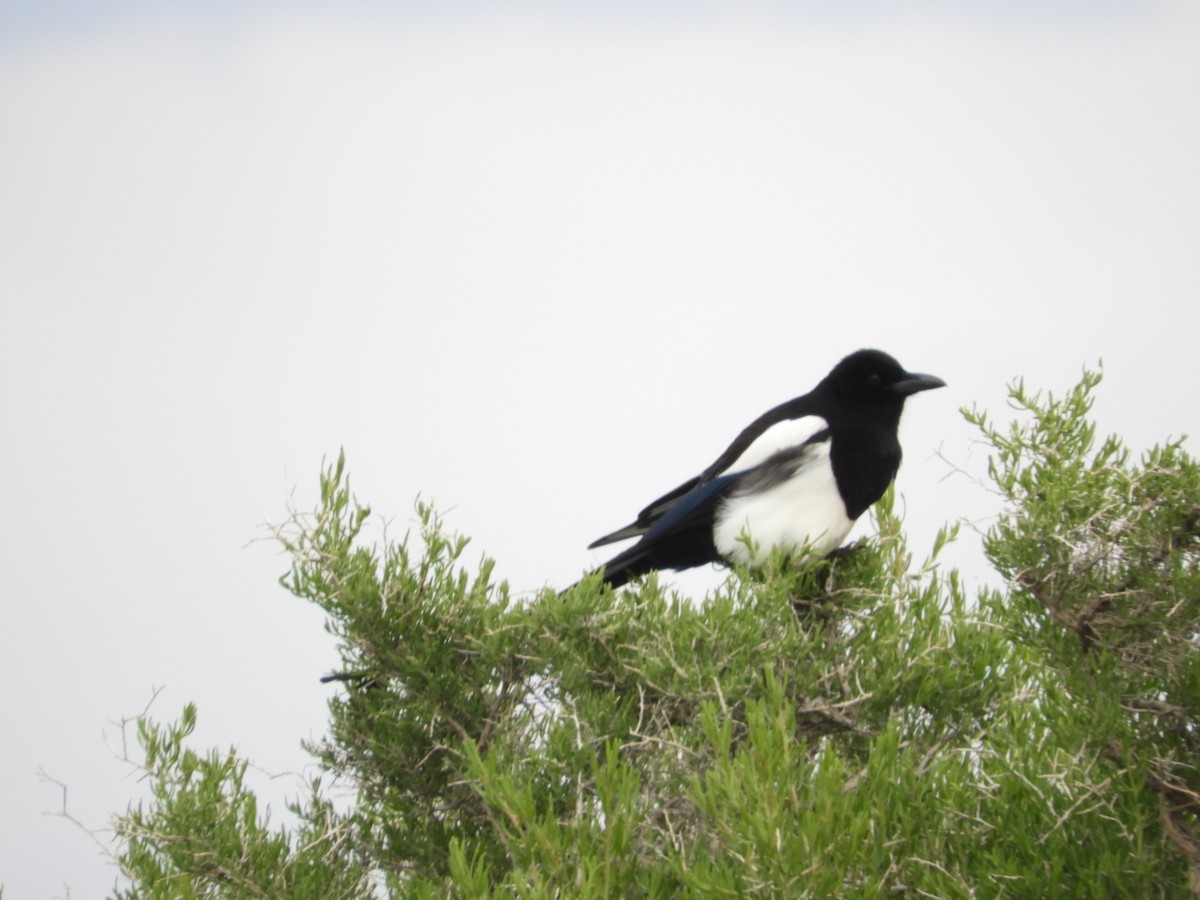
[(536, 262)]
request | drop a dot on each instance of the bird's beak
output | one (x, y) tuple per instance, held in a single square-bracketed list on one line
[(914, 382)]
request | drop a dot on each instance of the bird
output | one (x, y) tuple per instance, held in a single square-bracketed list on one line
[(797, 477)]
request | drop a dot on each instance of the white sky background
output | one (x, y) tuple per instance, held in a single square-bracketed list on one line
[(536, 265)]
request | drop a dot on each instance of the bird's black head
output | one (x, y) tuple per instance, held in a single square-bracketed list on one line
[(870, 379)]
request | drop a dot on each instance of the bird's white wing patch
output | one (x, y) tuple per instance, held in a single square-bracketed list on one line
[(802, 510), (780, 436)]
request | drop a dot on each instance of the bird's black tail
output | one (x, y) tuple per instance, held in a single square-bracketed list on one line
[(629, 564), (624, 567), (680, 548)]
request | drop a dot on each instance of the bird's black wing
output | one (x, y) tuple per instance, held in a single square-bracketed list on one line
[(792, 411), (648, 516), (680, 538)]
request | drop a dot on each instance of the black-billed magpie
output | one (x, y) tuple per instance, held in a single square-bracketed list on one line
[(797, 477)]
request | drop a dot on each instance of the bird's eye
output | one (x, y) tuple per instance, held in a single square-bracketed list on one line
[(874, 379)]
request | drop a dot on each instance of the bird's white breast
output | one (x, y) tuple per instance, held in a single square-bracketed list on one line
[(804, 510)]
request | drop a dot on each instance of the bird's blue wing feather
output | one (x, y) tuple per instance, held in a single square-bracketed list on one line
[(698, 505)]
